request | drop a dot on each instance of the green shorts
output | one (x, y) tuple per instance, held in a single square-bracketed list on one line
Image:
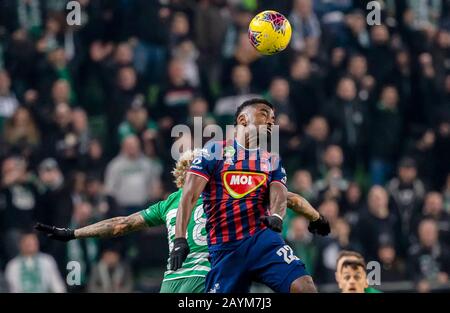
[(195, 284)]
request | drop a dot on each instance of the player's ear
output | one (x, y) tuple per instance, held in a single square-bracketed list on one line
[(242, 119)]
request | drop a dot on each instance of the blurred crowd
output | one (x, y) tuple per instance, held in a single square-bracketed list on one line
[(86, 113)]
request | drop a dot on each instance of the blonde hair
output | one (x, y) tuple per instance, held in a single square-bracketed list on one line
[(183, 164)]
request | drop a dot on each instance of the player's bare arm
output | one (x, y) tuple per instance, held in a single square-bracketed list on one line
[(317, 223), (192, 189), (113, 227), (301, 206), (278, 199), (278, 203)]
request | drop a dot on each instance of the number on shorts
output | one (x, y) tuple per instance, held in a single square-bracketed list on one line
[(287, 254)]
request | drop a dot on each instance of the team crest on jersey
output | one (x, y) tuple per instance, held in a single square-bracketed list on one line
[(239, 184), (229, 152)]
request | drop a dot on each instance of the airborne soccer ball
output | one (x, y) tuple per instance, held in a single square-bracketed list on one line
[(269, 32)]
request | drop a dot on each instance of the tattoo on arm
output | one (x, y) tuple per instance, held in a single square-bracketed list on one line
[(113, 227), (301, 206)]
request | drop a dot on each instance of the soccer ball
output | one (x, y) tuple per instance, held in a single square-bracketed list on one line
[(269, 32)]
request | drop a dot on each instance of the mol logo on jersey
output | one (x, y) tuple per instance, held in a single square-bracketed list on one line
[(239, 184)]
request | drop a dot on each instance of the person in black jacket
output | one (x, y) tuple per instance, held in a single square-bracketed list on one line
[(348, 119), (429, 260), (18, 203), (385, 135), (378, 223)]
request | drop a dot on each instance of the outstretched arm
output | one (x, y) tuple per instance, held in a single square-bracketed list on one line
[(317, 223), (113, 227), (301, 206)]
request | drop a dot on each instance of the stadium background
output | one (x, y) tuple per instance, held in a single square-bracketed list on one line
[(357, 106)]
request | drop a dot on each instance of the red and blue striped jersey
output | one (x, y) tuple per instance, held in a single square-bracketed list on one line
[(237, 192)]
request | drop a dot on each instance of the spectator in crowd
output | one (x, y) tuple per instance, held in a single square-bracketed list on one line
[(240, 90), (385, 135), (352, 204), (401, 78), (306, 94), (302, 242), (18, 202), (54, 205), (137, 122), (56, 67), (32, 271), (111, 274), (26, 16), (187, 53), (199, 108), (124, 93), (64, 142), (357, 69), (356, 36), (85, 251), (328, 247), (425, 17), (245, 54), (179, 29), (407, 192), (393, 269), (377, 224), (278, 95), (429, 261), (81, 130), (313, 145), (433, 208), (302, 184), (348, 119), (380, 56), (306, 28), (176, 95), (209, 27), (22, 134), (132, 178), (333, 184), (94, 161), (240, 19), (103, 205)]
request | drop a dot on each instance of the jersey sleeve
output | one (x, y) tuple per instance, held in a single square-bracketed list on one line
[(154, 214), (278, 172), (203, 164)]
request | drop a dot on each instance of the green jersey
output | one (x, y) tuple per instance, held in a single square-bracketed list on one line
[(372, 290), (164, 213)]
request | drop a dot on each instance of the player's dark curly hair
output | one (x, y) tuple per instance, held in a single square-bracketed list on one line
[(250, 102)]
